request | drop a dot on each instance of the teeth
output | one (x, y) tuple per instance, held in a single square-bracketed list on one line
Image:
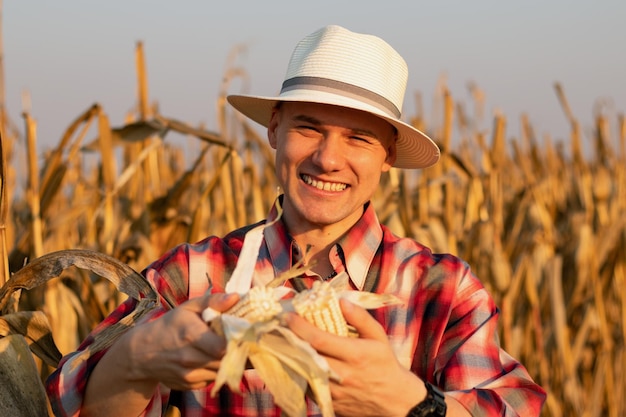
[(326, 186)]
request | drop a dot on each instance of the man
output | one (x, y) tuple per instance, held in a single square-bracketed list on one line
[(336, 128)]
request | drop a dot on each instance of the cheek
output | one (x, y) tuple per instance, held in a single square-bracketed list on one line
[(287, 157), (371, 169), (370, 161), (293, 151)]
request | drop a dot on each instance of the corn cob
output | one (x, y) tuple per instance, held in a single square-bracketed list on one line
[(320, 306), (259, 304)]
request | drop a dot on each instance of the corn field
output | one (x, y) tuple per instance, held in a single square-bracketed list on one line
[(542, 224)]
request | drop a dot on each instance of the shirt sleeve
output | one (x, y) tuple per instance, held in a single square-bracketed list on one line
[(469, 363)]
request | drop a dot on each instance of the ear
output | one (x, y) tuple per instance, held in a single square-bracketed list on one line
[(272, 128)]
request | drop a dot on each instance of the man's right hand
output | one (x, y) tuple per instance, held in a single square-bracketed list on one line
[(177, 349)]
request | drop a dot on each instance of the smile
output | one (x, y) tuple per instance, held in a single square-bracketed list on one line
[(322, 185)]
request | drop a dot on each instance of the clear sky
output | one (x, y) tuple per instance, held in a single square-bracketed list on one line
[(69, 54)]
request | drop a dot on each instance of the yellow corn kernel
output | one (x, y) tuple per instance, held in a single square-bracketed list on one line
[(259, 304), (320, 306)]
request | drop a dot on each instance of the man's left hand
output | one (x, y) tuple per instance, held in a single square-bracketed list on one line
[(373, 382)]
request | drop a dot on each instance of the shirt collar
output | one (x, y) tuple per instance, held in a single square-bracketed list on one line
[(358, 245)]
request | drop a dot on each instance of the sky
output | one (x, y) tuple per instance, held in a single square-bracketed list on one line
[(65, 55)]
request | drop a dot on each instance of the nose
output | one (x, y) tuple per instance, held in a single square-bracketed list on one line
[(330, 154)]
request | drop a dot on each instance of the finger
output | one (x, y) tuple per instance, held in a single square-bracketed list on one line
[(326, 343), (362, 321), (222, 301), (219, 302), (300, 326), (213, 365), (211, 344), (195, 379)]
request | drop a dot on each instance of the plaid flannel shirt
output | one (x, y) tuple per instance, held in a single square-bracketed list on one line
[(445, 332)]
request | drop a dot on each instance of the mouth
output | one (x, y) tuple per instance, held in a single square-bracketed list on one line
[(323, 185)]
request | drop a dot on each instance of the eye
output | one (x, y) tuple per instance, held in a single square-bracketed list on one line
[(363, 139), (307, 130)]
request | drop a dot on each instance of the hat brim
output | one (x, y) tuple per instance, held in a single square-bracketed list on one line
[(414, 149)]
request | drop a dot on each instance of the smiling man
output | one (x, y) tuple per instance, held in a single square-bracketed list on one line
[(336, 129)]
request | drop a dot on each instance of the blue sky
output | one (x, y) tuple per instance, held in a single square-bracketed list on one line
[(68, 54)]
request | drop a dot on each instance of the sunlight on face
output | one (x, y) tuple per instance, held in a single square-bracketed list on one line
[(329, 161)]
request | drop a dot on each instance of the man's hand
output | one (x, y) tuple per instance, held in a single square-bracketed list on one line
[(373, 382), (177, 349)]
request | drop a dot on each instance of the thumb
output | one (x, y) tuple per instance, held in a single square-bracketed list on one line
[(362, 321)]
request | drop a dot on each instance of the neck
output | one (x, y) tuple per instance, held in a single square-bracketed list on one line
[(315, 239), (316, 248)]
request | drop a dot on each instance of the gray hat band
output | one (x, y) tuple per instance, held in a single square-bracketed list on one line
[(344, 89)]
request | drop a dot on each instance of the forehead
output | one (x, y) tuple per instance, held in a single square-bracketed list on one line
[(327, 114)]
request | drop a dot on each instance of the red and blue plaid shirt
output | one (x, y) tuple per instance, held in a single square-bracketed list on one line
[(445, 332)]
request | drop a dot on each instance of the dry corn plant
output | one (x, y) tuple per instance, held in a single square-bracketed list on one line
[(544, 231), (21, 330)]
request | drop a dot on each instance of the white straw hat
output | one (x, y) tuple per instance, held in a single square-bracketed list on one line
[(336, 66)]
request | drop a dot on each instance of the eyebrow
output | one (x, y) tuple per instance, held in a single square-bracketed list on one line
[(317, 122), (308, 119)]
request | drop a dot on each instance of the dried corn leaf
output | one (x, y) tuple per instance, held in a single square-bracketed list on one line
[(275, 353), (125, 279), (183, 128), (295, 271), (241, 279), (129, 133), (35, 328), (22, 392), (65, 311), (108, 336), (4, 206), (311, 366), (241, 336), (138, 131), (364, 299), (369, 300), (51, 265), (288, 394), (235, 363), (290, 348)]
